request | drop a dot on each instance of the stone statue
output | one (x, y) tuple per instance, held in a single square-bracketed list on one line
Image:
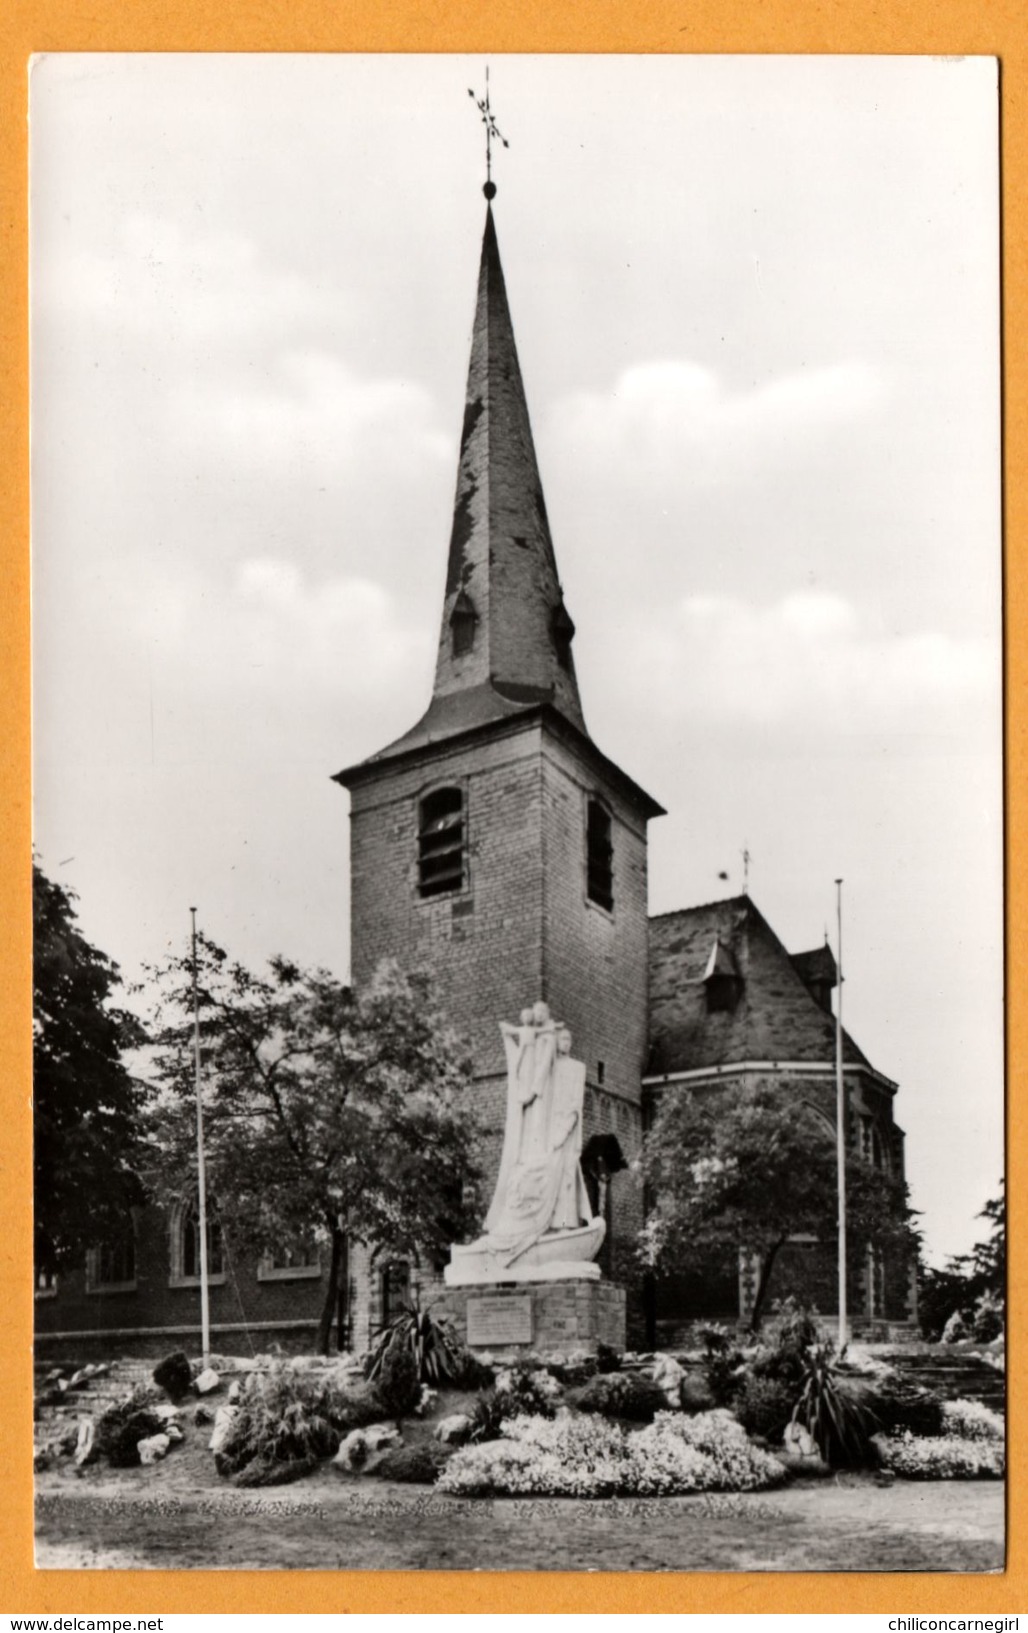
[(540, 1223)]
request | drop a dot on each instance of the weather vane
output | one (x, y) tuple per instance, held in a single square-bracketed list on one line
[(491, 129)]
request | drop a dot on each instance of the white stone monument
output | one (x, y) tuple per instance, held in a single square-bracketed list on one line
[(540, 1226)]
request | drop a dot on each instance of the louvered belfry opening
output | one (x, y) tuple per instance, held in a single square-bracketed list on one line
[(441, 842), (599, 856)]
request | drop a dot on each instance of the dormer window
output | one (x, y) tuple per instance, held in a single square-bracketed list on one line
[(563, 630), (441, 842), (722, 984), (599, 850), (463, 619)]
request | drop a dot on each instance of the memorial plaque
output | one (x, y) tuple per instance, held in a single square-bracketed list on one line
[(494, 1319)]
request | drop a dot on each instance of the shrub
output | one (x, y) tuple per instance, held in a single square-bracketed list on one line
[(898, 1406), (121, 1428), (174, 1375), (734, 1463), (790, 1333), (273, 1471), (438, 1356), (987, 1318), (520, 1391), (607, 1359), (413, 1465), (566, 1457), (841, 1424), (972, 1420), (622, 1395), (723, 1363), (948, 1457), (588, 1457), (398, 1381), (286, 1416), (764, 1406), (471, 1373)]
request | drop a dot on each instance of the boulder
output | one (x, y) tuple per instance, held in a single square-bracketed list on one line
[(799, 1441), (235, 1389), (207, 1382), (800, 1452), (174, 1433), (668, 1376), (454, 1430), (82, 1376), (224, 1418), (153, 1448), (166, 1411), (84, 1442), (362, 1448)]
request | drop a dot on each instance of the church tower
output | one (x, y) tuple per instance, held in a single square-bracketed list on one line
[(493, 843)]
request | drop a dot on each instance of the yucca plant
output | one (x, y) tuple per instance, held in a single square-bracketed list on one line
[(436, 1351), (841, 1425)]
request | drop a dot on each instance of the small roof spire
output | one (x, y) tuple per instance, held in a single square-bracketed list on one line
[(491, 129)]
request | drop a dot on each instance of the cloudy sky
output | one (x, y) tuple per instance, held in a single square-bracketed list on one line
[(756, 308)]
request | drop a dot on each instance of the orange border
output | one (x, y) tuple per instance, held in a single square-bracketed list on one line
[(944, 27)]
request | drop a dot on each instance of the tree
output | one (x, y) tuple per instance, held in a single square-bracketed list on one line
[(325, 1110), (87, 1106), (975, 1283), (731, 1171)]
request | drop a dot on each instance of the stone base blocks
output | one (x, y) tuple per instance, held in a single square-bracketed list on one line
[(542, 1317)]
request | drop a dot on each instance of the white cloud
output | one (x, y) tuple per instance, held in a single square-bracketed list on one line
[(311, 411), (809, 662), (175, 285), (661, 413)]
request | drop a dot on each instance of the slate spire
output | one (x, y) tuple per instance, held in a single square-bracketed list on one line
[(505, 626)]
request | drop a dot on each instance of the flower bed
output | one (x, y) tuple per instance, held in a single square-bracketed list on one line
[(946, 1457), (571, 1456)]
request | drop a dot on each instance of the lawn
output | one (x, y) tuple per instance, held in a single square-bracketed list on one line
[(179, 1515)]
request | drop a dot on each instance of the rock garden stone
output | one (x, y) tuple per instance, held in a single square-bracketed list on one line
[(153, 1448), (84, 1442), (668, 1375), (224, 1418), (207, 1382), (453, 1430)]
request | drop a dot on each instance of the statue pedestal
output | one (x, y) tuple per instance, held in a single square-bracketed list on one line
[(511, 1319)]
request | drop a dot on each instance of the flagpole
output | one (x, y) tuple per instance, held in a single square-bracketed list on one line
[(201, 1172), (840, 1129)]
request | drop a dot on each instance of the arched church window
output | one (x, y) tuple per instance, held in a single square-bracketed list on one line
[(185, 1244), (599, 849), (441, 842), (111, 1264)]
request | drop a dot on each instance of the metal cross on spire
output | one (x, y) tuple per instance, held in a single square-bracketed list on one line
[(491, 129)]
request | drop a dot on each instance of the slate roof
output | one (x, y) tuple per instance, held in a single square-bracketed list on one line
[(776, 1017), (502, 571)]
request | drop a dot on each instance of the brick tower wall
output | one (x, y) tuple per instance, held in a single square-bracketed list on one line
[(523, 928)]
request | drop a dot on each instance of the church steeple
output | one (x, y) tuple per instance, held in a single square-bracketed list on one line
[(504, 624)]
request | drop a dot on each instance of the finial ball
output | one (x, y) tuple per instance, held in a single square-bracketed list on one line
[(489, 190)]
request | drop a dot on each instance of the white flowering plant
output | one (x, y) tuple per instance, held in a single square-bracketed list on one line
[(587, 1456), (971, 1420), (942, 1457)]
